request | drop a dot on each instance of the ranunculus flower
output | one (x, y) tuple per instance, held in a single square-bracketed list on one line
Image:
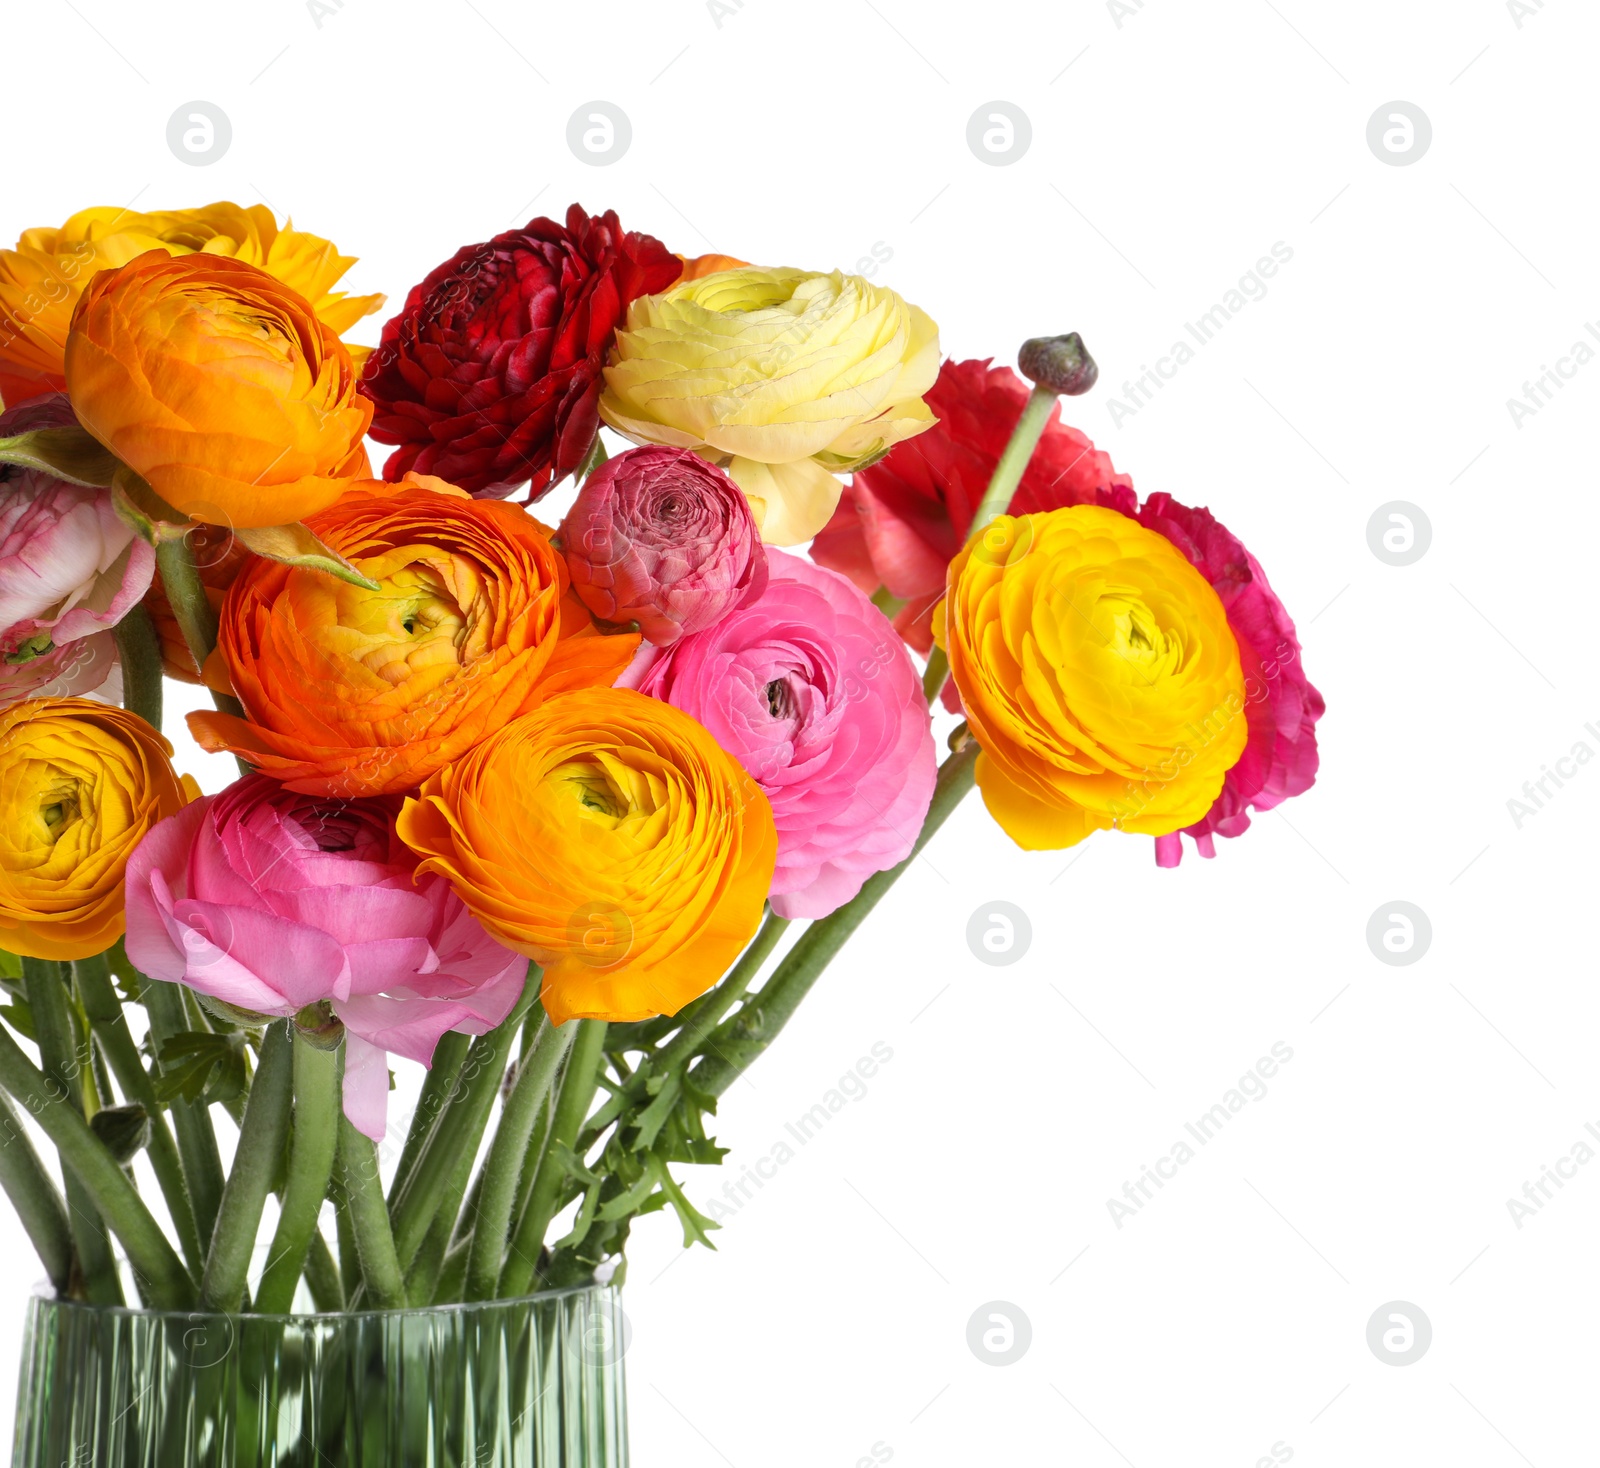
[(610, 838), (1281, 707), (811, 691), (355, 692), (69, 565), (659, 537), (489, 376), (41, 280), (83, 784), (219, 556), (1098, 674), (220, 386), (272, 901), (786, 377), (902, 520)]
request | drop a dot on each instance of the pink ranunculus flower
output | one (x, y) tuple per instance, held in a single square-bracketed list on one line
[(1281, 706), (811, 690), (69, 566), (660, 537), (84, 668), (272, 901)]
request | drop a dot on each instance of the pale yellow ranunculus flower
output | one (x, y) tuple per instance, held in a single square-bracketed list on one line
[(42, 278), (786, 378)]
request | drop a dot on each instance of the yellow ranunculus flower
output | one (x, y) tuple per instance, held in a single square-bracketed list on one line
[(610, 838), (784, 377), (41, 280), (1098, 674), (80, 784)]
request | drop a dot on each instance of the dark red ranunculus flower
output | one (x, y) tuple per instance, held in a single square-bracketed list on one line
[(490, 375), (900, 522)]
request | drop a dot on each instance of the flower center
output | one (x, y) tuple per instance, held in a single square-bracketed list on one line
[(780, 699), (413, 625), (1134, 636), (59, 807)]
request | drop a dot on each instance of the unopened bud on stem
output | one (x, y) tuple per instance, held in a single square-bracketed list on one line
[(1060, 364)]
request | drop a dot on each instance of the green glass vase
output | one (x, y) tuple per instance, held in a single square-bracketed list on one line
[(528, 1383)]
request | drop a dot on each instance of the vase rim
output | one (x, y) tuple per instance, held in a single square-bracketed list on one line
[(44, 1295)]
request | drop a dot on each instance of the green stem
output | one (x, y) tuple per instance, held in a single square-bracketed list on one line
[(996, 501), (65, 1064), (741, 1039), (313, 1137), (888, 603), (429, 1281), (1019, 449), (437, 1084), (168, 1285), (700, 1021), (501, 1167), (579, 1082), (35, 1196), (196, 618), (197, 1138), (110, 1025), (139, 651), (369, 1219), (322, 1274), (255, 1160), (459, 1128)]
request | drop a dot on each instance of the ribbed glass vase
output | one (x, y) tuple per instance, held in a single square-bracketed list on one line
[(529, 1383)]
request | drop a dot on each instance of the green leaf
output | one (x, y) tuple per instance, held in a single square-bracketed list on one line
[(10, 965), (143, 511), (20, 1017), (294, 545), (200, 1067), (73, 454)]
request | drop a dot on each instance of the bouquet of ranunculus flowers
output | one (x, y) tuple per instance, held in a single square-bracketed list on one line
[(529, 805)]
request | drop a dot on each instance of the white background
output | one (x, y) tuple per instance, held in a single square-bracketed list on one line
[(1169, 153)]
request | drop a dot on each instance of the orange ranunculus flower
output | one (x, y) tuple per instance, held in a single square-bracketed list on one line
[(694, 266), (610, 838), (357, 692), (1098, 673), (41, 280), (220, 386), (219, 556), (80, 784)]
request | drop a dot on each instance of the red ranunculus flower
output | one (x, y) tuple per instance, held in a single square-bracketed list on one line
[(900, 522), (490, 375)]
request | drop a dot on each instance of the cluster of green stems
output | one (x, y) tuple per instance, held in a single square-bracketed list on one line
[(444, 1230)]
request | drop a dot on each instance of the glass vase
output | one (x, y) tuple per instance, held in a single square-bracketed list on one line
[(504, 1384)]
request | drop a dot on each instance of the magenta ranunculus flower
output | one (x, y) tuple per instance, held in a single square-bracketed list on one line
[(272, 901), (69, 566), (812, 691), (1281, 706), (660, 537)]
